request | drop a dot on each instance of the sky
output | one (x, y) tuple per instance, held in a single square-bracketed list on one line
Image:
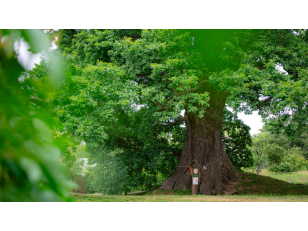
[(27, 60), (25, 57), (254, 121)]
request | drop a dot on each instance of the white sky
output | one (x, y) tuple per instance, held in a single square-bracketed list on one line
[(254, 121), (27, 60), (25, 57)]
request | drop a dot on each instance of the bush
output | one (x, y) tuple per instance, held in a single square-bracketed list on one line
[(282, 167), (90, 181)]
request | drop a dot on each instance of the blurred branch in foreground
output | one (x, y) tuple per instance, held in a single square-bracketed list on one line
[(29, 152)]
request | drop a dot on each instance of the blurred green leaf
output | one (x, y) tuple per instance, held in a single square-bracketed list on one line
[(30, 168)]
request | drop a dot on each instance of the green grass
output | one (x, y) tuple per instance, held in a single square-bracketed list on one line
[(187, 198), (300, 177), (267, 187), (254, 184)]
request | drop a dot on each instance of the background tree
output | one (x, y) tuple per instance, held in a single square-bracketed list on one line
[(290, 53), (259, 148), (277, 153), (236, 140)]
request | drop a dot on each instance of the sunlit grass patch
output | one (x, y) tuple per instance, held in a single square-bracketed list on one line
[(252, 188), (187, 198), (300, 177)]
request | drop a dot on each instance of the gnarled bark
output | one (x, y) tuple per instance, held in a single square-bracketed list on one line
[(204, 144)]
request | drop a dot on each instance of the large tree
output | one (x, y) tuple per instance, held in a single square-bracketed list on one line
[(168, 71)]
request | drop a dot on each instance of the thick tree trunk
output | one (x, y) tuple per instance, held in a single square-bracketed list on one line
[(204, 144)]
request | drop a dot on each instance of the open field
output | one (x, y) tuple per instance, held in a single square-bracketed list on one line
[(300, 177), (187, 198)]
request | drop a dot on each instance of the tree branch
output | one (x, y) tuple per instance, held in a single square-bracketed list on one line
[(163, 107), (176, 153), (175, 122), (177, 94), (196, 88), (280, 38), (264, 102)]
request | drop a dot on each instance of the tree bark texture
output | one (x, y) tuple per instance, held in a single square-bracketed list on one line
[(204, 144)]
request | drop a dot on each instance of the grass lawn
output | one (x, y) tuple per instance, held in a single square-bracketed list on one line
[(300, 177), (267, 187), (187, 198)]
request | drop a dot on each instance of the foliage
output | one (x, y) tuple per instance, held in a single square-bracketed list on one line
[(138, 165), (236, 140), (299, 177), (148, 164), (86, 104), (282, 167), (292, 161), (90, 181), (264, 87), (280, 96), (72, 159), (30, 140), (259, 148), (165, 67), (109, 175), (302, 142), (95, 90), (295, 131), (278, 152), (112, 72)]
